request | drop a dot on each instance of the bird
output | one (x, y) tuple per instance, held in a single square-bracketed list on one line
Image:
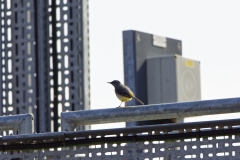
[(123, 92)]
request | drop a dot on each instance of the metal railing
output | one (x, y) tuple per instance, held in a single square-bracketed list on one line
[(70, 120), (23, 123), (120, 135), (195, 140)]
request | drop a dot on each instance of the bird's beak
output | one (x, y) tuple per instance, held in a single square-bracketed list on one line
[(109, 82)]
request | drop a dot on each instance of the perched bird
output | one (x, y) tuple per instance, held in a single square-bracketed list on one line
[(123, 92)]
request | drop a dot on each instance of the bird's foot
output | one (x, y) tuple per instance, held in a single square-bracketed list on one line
[(118, 107)]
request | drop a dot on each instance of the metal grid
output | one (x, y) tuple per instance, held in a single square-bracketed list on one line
[(199, 140), (70, 58), (45, 59), (18, 57)]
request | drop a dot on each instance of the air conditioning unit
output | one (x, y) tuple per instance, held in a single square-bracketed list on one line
[(156, 72), (137, 48), (173, 78)]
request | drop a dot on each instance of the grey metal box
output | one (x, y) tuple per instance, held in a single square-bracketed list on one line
[(138, 47), (173, 79)]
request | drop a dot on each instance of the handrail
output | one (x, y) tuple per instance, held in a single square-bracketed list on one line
[(70, 120), (23, 123)]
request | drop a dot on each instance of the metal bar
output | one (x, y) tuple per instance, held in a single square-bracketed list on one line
[(86, 59), (43, 117), (22, 122), (67, 139), (136, 138), (33, 137), (55, 66), (231, 123), (160, 127), (70, 120), (1, 57)]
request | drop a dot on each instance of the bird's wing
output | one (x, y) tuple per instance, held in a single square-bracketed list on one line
[(125, 92)]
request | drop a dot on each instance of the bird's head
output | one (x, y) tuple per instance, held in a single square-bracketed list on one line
[(115, 83)]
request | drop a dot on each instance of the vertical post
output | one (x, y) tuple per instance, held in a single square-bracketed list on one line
[(42, 66), (55, 66), (1, 58)]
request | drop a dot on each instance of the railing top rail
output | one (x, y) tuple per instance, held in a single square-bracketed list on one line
[(70, 120), (23, 123)]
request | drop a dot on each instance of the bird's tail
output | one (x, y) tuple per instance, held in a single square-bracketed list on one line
[(138, 100)]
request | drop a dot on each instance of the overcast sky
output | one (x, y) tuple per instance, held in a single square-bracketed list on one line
[(209, 30)]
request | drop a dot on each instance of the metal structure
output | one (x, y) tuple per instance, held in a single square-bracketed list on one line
[(19, 124), (70, 120), (18, 72), (138, 47), (195, 140), (44, 59), (174, 141), (175, 78), (70, 58)]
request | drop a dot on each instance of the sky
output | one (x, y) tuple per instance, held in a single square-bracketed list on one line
[(209, 31)]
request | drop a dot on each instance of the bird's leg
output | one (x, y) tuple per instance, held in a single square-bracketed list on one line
[(119, 105)]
